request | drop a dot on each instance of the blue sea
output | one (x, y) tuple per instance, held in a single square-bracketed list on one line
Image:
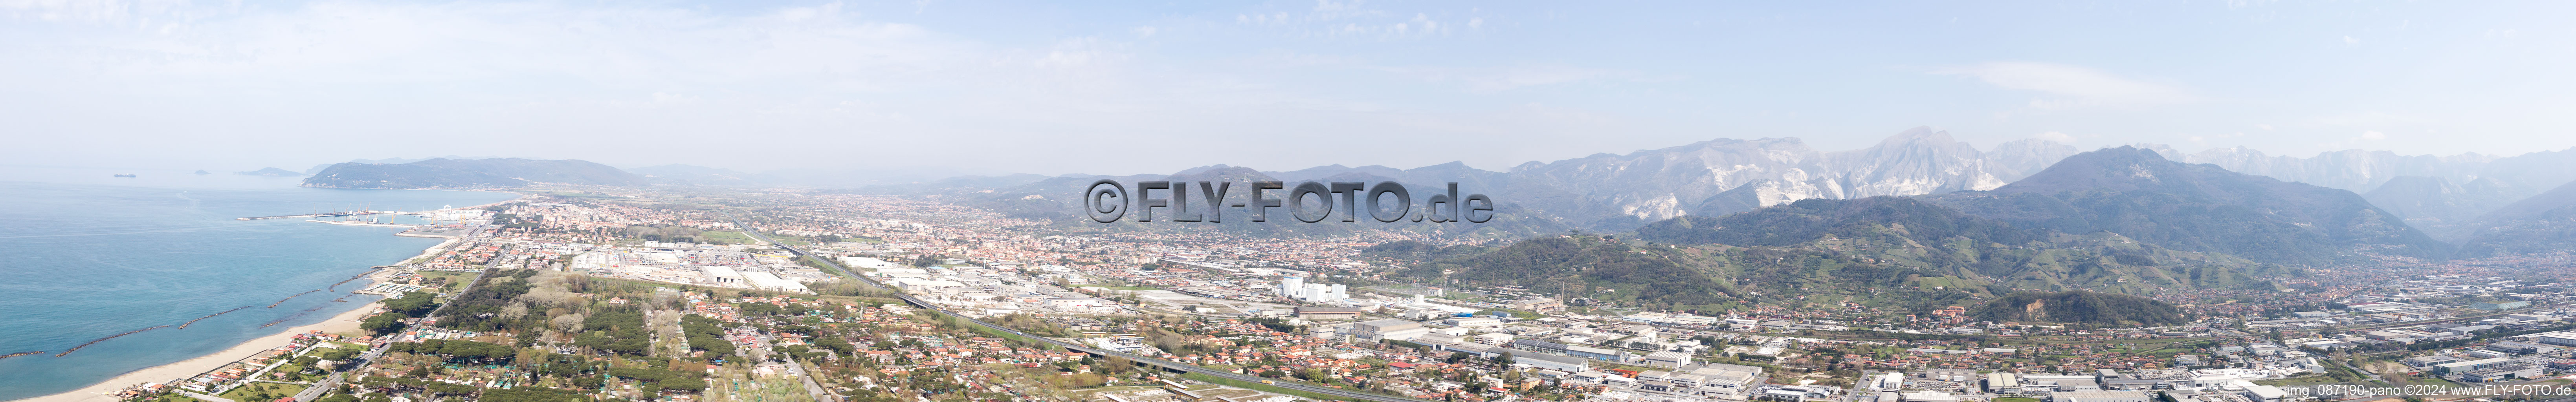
[(84, 255)]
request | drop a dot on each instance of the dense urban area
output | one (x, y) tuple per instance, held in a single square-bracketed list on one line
[(581, 294)]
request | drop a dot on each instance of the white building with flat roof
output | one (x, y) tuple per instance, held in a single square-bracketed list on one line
[(1665, 359), (771, 282), (721, 276)]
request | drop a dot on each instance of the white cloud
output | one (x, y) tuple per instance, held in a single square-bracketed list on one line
[(2265, 127), (2349, 41), (2070, 87), (1144, 31), (2057, 137), (2373, 135), (1077, 52)]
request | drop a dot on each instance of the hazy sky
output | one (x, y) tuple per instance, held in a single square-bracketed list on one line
[(1124, 88)]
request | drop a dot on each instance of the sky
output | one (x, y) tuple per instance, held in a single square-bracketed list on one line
[(1154, 87)]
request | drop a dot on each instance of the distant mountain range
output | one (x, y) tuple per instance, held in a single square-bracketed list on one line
[(2305, 210), (2433, 192), (1620, 192), (473, 173), (2122, 220), (2542, 224), (317, 169), (2305, 213)]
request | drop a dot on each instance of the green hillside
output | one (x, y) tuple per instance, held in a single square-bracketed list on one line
[(1946, 246), (2080, 307), (2143, 196)]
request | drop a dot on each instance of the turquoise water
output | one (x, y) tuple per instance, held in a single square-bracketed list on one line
[(87, 257)]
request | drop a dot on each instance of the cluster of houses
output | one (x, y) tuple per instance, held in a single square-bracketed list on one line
[(2106, 385)]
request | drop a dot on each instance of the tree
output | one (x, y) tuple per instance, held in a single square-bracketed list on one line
[(382, 324), (1117, 365), (413, 304)]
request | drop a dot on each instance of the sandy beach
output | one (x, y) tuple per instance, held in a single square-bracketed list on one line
[(345, 322)]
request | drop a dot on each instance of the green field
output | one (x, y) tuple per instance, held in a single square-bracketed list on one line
[(251, 393), (727, 237), (171, 398)]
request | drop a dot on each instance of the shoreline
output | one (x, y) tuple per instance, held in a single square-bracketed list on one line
[(518, 196), (346, 321)]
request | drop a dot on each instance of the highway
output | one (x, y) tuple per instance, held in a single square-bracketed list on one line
[(1165, 364)]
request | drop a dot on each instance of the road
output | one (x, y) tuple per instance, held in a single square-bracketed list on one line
[(1165, 364), (362, 360), (373, 352), (811, 386)]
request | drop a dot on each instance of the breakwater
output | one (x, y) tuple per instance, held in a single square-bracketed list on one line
[(192, 322), (32, 352), (352, 278), (283, 301), (96, 341), (280, 320), (79, 249)]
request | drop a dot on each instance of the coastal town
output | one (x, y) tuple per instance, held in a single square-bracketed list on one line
[(1287, 201), (580, 294)]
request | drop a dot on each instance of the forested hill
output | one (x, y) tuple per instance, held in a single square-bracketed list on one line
[(2080, 307), (2139, 194), (1583, 265), (471, 173), (1944, 246), (1876, 267), (2542, 224), (1815, 218)]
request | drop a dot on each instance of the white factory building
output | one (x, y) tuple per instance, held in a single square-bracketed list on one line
[(1297, 288)]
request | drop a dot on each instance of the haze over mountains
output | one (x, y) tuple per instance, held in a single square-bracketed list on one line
[(470, 173), (1618, 192), (2197, 207), (2435, 192), (2314, 210)]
